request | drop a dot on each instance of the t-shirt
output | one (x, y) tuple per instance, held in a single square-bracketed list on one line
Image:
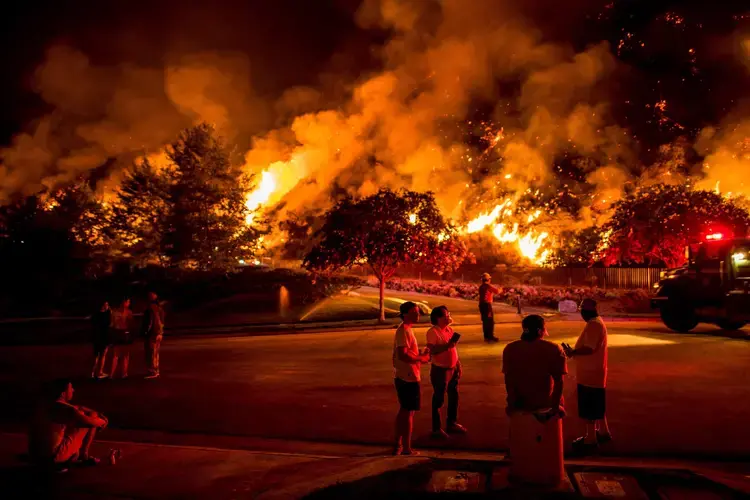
[(122, 318), (408, 372), (48, 428), (441, 336), (486, 292), (529, 367), (591, 370)]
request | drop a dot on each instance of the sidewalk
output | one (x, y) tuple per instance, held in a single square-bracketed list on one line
[(171, 471)]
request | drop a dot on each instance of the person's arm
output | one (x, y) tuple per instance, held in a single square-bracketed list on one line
[(408, 357), (494, 289), (77, 417), (433, 346), (592, 342), (557, 391)]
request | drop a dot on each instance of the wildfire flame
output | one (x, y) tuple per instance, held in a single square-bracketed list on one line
[(260, 196), (529, 244)]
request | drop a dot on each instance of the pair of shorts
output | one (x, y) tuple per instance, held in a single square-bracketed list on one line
[(409, 395), (592, 402)]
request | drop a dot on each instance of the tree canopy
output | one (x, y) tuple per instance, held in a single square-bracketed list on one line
[(655, 225), (385, 230)]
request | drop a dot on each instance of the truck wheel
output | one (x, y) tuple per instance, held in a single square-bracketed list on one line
[(680, 320), (726, 324)]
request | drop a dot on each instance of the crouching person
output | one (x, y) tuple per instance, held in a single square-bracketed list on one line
[(534, 370), (60, 432)]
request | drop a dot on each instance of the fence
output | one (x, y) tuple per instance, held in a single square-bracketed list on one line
[(605, 277)]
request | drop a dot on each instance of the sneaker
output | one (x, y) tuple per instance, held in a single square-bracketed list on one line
[(152, 375), (410, 453), (439, 434), (456, 429), (397, 450)]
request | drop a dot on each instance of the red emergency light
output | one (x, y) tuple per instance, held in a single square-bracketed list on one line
[(715, 236)]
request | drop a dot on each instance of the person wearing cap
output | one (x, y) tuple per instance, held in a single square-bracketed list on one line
[(486, 292), (445, 372), (407, 361), (590, 354), (534, 368)]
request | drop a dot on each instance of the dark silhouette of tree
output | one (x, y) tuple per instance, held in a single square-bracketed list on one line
[(383, 231)]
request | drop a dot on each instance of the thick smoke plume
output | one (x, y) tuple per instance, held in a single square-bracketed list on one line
[(445, 63)]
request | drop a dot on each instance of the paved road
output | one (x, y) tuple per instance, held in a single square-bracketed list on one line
[(668, 393)]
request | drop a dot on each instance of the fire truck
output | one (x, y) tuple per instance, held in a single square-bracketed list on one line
[(712, 287)]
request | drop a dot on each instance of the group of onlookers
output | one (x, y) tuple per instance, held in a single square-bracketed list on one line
[(60, 432), (534, 369), (114, 331)]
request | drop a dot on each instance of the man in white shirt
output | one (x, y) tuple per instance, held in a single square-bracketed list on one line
[(444, 373), (407, 361), (590, 355)]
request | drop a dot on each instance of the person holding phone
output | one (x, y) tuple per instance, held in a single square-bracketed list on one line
[(445, 371)]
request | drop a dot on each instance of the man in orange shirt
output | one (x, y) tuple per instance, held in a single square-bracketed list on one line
[(590, 355), (486, 292), (445, 371), (407, 361)]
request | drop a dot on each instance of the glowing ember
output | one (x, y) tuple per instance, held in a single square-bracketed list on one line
[(412, 218)]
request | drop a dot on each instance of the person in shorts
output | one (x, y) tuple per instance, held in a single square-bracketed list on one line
[(407, 361), (122, 338), (100, 322), (60, 432), (152, 331), (590, 355)]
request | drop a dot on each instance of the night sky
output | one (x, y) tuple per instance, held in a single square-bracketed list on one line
[(690, 60)]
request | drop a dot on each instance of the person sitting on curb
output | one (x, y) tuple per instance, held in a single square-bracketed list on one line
[(534, 370), (60, 432), (445, 372)]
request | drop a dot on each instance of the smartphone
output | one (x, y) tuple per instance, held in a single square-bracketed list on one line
[(455, 337)]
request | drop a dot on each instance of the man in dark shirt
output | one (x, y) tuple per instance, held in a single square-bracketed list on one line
[(534, 369), (486, 292)]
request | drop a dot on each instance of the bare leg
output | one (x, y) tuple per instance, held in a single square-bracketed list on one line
[(406, 418), (125, 364), (115, 355), (83, 454), (99, 363), (590, 432), (603, 427)]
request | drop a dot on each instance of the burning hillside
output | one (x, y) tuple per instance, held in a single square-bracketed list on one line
[(521, 135)]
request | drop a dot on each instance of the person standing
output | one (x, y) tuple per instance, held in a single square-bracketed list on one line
[(152, 331), (486, 296), (100, 322), (407, 361), (122, 321), (590, 354), (445, 372)]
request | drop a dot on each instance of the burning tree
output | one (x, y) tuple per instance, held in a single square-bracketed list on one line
[(190, 214), (656, 224), (383, 231)]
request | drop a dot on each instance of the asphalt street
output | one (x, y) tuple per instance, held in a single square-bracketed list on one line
[(668, 394)]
